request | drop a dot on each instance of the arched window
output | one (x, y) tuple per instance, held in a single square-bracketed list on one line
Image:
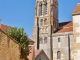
[(41, 22), (45, 21), (40, 40), (45, 40), (58, 55), (59, 39), (40, 8), (45, 9)]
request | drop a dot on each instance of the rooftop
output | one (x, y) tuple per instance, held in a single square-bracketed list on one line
[(65, 27), (77, 9)]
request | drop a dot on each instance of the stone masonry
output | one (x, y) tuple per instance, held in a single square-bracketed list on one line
[(9, 48)]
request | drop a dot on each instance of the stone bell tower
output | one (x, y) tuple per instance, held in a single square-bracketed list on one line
[(45, 23)]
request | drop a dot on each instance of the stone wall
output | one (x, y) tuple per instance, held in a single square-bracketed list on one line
[(65, 45), (9, 48), (76, 31)]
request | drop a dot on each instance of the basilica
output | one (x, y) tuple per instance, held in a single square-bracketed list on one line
[(60, 41)]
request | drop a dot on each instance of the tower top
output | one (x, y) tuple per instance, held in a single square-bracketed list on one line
[(76, 10)]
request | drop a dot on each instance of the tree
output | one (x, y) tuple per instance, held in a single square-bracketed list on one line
[(19, 35)]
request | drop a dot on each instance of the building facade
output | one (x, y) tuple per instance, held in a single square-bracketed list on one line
[(59, 41)]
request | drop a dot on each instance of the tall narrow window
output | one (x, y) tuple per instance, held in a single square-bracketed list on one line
[(45, 21), (58, 55), (59, 39), (46, 30), (41, 22), (40, 8), (45, 9), (40, 40), (45, 40)]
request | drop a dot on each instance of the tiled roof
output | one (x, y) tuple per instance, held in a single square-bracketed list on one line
[(37, 52), (77, 9), (69, 29), (31, 54), (31, 40), (4, 27), (65, 27), (66, 24), (10, 37)]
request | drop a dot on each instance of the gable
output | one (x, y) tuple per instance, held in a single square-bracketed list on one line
[(3, 27), (41, 55), (9, 48)]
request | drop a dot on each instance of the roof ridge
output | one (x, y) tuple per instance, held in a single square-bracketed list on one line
[(67, 26), (4, 24), (11, 37), (77, 9), (65, 22)]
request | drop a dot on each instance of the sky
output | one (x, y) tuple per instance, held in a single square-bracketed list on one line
[(21, 13)]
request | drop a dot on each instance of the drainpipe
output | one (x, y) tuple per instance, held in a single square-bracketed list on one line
[(69, 47), (51, 48)]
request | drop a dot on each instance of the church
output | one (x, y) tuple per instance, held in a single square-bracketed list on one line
[(60, 41)]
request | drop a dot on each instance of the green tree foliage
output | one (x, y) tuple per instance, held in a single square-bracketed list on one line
[(19, 35)]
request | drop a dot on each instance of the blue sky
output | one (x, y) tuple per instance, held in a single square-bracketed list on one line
[(20, 13)]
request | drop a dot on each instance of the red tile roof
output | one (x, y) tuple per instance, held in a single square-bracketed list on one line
[(31, 40), (4, 27), (77, 9), (65, 27), (66, 24), (32, 53), (69, 29)]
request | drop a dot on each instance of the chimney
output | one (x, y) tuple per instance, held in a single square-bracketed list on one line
[(0, 23)]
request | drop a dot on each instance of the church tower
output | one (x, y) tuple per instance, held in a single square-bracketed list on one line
[(45, 23)]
